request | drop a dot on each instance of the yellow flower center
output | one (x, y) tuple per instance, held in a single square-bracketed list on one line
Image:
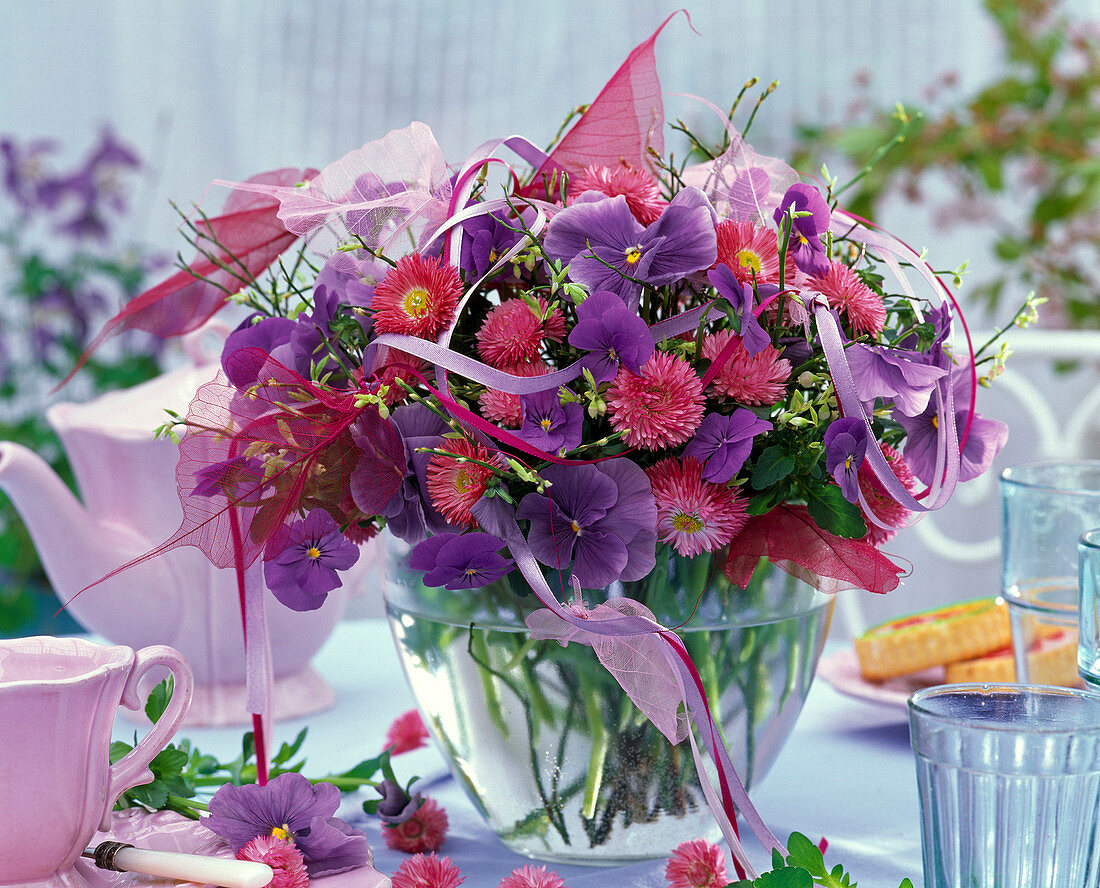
[(685, 523), (282, 832), (415, 303), (313, 552), (576, 528), (749, 259), (935, 422), (848, 462), (633, 255), (545, 423), (464, 481)]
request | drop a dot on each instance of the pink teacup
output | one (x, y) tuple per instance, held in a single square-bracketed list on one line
[(58, 700)]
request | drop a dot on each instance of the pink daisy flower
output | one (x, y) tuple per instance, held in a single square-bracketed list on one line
[(427, 871), (513, 333), (696, 864), (747, 249), (454, 485), (747, 379), (692, 514), (641, 190), (661, 407), (406, 733), (845, 291), (504, 407), (417, 297), (424, 831), (529, 876), (282, 856), (885, 507)]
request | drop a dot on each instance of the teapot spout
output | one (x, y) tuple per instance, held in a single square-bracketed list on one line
[(75, 549)]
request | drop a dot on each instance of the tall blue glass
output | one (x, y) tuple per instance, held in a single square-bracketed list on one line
[(1045, 508)]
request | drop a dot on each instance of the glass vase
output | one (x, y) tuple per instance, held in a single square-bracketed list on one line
[(547, 745)]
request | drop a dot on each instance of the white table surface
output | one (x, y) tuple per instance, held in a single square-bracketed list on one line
[(846, 773)]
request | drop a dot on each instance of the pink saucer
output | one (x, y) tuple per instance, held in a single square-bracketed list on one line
[(841, 670), (168, 831)]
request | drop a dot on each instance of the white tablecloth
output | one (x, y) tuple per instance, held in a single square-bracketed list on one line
[(846, 774)]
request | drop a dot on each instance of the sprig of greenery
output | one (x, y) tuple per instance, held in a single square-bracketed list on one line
[(803, 867)]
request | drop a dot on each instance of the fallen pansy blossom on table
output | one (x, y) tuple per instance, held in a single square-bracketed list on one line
[(603, 356)]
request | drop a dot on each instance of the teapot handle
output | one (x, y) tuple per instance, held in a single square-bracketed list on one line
[(133, 768)]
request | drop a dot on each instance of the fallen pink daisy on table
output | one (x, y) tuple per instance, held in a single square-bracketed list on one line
[(406, 733), (696, 864), (748, 379), (692, 514), (282, 856), (417, 297), (529, 876), (424, 831), (659, 407), (427, 871)]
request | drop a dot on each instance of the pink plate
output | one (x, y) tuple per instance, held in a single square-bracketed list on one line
[(168, 831), (841, 670)]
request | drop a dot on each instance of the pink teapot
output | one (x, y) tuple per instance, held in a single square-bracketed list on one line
[(127, 481)]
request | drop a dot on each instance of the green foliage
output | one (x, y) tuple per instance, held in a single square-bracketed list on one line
[(803, 867), (1020, 151)]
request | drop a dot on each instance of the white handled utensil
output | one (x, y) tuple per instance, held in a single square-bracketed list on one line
[(123, 858)]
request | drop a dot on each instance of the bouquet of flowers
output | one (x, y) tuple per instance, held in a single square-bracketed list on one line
[(554, 367)]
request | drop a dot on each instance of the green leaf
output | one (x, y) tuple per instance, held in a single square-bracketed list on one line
[(802, 852), (288, 751), (158, 700), (787, 877), (772, 466), (832, 512), (119, 748)]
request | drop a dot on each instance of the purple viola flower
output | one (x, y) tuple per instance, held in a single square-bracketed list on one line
[(805, 243), (612, 334), (608, 249), (301, 560), (410, 515), (485, 239), (983, 442), (600, 517), (396, 805), (256, 331), (845, 448), (723, 443), (231, 478), (23, 169), (548, 424), (743, 298), (290, 807), (460, 560), (904, 377)]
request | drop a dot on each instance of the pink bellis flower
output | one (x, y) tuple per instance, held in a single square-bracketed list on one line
[(302, 558), (427, 871), (696, 864), (282, 856), (290, 807)]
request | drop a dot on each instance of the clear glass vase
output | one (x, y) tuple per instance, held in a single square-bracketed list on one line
[(550, 749)]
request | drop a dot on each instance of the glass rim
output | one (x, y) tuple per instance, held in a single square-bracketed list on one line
[(1090, 539), (918, 706), (1035, 469), (1059, 609)]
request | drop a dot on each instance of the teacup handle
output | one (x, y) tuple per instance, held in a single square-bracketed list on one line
[(133, 768)]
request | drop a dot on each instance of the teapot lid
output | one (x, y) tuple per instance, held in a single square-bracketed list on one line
[(134, 412)]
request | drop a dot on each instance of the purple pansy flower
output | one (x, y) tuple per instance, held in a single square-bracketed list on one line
[(612, 334), (904, 377), (805, 244), (410, 515), (723, 443), (485, 239), (983, 442), (742, 297), (289, 806), (845, 448), (256, 331), (230, 477), (548, 424), (302, 558), (396, 805), (605, 245), (460, 561), (600, 517)]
